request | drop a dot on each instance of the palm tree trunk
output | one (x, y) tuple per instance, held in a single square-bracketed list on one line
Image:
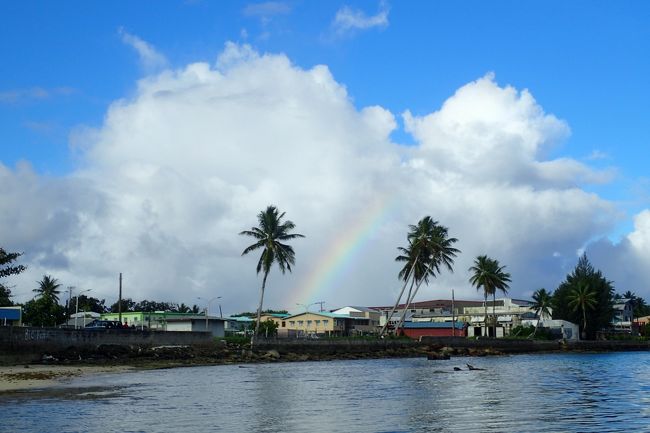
[(259, 310), (584, 322), (392, 311), (409, 299)]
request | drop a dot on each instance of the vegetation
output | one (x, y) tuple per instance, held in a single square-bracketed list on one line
[(270, 235), (267, 328), (542, 303), (252, 315), (489, 275), (429, 249), (7, 268), (585, 297)]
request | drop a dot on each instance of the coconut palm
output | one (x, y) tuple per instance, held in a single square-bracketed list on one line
[(48, 288), (542, 303), (489, 275), (430, 248), (582, 298), (270, 235)]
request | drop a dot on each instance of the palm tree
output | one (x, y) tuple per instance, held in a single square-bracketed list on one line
[(583, 298), (429, 249), (270, 234), (48, 288), (489, 275), (542, 303)]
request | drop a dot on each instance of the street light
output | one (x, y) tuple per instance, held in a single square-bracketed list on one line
[(207, 308), (76, 313)]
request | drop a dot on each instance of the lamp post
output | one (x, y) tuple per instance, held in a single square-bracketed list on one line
[(207, 308), (76, 313)]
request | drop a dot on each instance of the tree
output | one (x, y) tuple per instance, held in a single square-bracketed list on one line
[(88, 303), (48, 288), (5, 297), (583, 275), (268, 328), (6, 267), (489, 275), (43, 311), (542, 301), (127, 305), (582, 298), (270, 235), (430, 248)]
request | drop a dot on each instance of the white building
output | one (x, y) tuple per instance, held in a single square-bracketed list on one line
[(216, 325)]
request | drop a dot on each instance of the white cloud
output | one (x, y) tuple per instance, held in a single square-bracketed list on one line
[(175, 172), (150, 59), (348, 19)]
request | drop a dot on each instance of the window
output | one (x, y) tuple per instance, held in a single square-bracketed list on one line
[(308, 322), (318, 323), (326, 322), (292, 322), (300, 322), (283, 324)]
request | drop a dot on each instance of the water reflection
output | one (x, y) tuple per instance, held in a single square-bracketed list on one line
[(542, 393)]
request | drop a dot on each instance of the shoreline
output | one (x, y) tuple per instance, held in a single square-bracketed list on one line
[(25, 377), (22, 371)]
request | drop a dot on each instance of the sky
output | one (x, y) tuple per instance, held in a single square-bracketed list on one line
[(142, 137)]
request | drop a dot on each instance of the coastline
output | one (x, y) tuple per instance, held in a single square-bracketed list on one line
[(37, 376), (55, 368)]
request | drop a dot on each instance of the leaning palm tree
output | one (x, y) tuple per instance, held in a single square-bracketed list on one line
[(48, 288), (270, 234), (582, 298), (541, 305), (430, 248), (489, 275)]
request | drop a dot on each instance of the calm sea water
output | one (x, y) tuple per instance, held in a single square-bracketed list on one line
[(525, 393)]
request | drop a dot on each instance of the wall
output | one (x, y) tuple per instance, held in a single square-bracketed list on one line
[(416, 333), (32, 343)]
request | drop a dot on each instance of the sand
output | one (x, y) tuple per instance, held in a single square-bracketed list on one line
[(16, 378)]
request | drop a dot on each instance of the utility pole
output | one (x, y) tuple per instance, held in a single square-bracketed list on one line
[(119, 302), (321, 305), (67, 305)]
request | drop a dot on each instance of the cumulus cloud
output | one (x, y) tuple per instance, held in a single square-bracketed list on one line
[(150, 59), (176, 171), (348, 19)]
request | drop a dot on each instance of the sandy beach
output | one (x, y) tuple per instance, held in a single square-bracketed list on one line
[(16, 378)]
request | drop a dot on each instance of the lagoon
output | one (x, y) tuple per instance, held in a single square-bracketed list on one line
[(523, 393)]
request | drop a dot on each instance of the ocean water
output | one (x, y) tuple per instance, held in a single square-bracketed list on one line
[(523, 393)]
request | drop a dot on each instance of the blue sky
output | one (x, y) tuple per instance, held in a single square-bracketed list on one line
[(585, 62)]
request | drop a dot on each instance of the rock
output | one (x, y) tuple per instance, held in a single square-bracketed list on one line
[(272, 354), (437, 356)]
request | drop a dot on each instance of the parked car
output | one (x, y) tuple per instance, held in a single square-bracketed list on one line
[(103, 324)]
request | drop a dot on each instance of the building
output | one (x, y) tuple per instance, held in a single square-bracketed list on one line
[(507, 312), (238, 325), (416, 330), (359, 326), (623, 313), (307, 324), (215, 325), (11, 316), (437, 310), (154, 320)]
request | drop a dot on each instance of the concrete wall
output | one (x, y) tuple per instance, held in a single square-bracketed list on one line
[(29, 342)]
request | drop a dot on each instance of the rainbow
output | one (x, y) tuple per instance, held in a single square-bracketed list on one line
[(341, 252)]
